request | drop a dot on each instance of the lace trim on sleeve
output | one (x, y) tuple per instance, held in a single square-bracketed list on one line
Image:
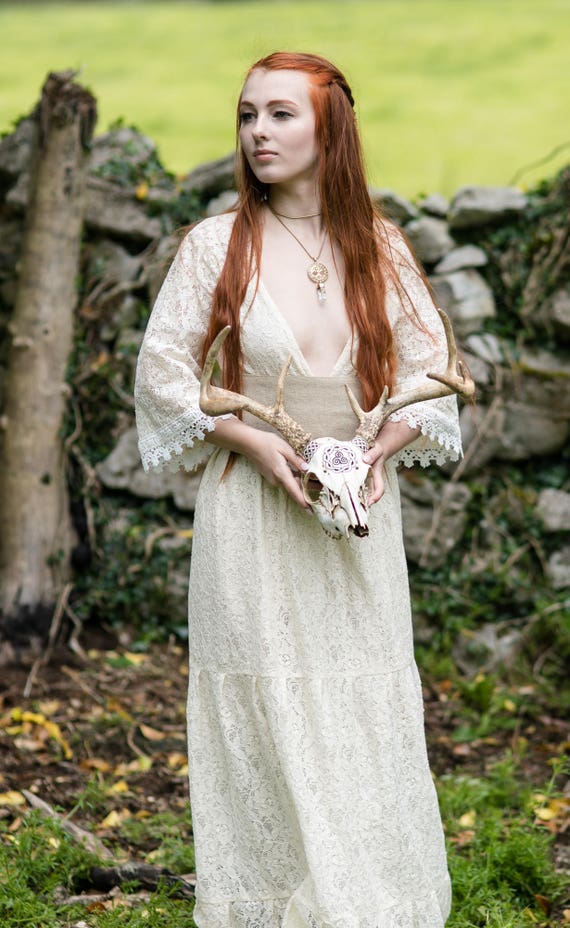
[(174, 445), (440, 438)]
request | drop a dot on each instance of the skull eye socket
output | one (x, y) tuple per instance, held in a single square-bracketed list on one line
[(312, 487)]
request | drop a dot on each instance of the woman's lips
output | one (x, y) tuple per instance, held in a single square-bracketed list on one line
[(264, 154)]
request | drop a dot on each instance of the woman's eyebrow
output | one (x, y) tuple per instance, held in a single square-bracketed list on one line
[(271, 103)]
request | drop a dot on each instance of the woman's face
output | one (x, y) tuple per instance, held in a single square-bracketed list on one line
[(277, 127)]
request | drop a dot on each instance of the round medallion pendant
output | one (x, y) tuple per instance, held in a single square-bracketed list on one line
[(318, 273)]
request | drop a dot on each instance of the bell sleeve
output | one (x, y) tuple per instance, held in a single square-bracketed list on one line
[(170, 424), (420, 349)]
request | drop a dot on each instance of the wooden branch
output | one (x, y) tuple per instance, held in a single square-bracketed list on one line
[(84, 837), (149, 877)]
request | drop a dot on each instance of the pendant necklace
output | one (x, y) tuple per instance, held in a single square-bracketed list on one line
[(317, 272)]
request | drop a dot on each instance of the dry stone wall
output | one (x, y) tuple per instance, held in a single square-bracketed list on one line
[(499, 263)]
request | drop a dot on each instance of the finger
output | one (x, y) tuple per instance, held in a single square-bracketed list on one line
[(372, 455), (377, 486), (295, 460), (290, 484)]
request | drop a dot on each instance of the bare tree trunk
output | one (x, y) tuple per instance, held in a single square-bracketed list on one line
[(35, 530)]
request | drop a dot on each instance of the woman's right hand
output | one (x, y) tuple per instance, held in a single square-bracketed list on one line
[(277, 463), (268, 452)]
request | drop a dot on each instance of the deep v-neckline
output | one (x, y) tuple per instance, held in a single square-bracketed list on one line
[(294, 341)]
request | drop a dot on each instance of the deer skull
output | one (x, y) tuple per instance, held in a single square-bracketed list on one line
[(336, 486)]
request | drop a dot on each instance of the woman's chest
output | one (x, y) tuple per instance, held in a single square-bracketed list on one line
[(312, 308)]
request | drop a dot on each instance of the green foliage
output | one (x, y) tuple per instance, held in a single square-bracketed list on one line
[(34, 862), (130, 582), (497, 574), (500, 860), (499, 857), (40, 864), (171, 836), (514, 248)]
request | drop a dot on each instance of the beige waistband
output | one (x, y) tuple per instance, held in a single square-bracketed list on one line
[(319, 404)]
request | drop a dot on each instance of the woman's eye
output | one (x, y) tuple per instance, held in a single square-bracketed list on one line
[(282, 114), (245, 117)]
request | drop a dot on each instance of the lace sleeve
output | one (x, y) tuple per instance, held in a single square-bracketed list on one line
[(419, 352), (171, 427)]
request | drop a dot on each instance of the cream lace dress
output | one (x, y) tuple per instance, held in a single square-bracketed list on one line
[(312, 800)]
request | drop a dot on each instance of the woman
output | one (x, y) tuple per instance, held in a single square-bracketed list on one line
[(312, 799)]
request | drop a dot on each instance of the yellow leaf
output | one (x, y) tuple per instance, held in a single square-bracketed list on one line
[(151, 734), (509, 705), (12, 798), (95, 763), (468, 819), (176, 759), (121, 786), (133, 658), (50, 706), (113, 705), (53, 730), (546, 814), (141, 191), (114, 819), (138, 765), (54, 842), (185, 533)]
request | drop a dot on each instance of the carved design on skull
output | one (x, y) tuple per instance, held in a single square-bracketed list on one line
[(335, 485)]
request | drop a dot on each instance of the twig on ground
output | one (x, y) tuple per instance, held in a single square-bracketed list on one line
[(84, 837), (53, 633), (149, 877)]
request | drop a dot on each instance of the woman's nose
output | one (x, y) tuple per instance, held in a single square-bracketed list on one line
[(259, 129)]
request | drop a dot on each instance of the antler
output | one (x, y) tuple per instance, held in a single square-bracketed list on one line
[(455, 379), (215, 401)]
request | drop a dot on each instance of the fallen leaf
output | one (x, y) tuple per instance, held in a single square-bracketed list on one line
[(95, 763), (138, 765), (52, 728), (463, 837), (509, 705), (151, 734), (12, 798), (468, 819), (546, 814), (141, 190), (135, 658), (113, 705), (115, 818), (544, 903), (49, 706), (176, 759), (121, 786)]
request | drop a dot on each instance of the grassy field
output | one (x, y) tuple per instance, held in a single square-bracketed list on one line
[(448, 91)]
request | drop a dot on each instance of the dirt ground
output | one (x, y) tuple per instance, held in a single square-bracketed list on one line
[(117, 718)]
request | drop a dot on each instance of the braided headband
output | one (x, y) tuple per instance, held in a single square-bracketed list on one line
[(345, 89)]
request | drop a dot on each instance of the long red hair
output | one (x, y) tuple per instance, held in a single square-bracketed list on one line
[(352, 221)]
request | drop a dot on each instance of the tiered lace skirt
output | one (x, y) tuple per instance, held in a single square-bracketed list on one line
[(312, 800)]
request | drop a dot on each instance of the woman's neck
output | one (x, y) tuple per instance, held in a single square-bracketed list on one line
[(296, 204)]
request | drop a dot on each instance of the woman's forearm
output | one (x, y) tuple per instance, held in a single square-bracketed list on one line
[(394, 436)]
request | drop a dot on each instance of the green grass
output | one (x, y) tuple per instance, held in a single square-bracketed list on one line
[(500, 860), (448, 91)]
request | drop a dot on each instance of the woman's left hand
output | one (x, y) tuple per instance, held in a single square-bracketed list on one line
[(376, 458)]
